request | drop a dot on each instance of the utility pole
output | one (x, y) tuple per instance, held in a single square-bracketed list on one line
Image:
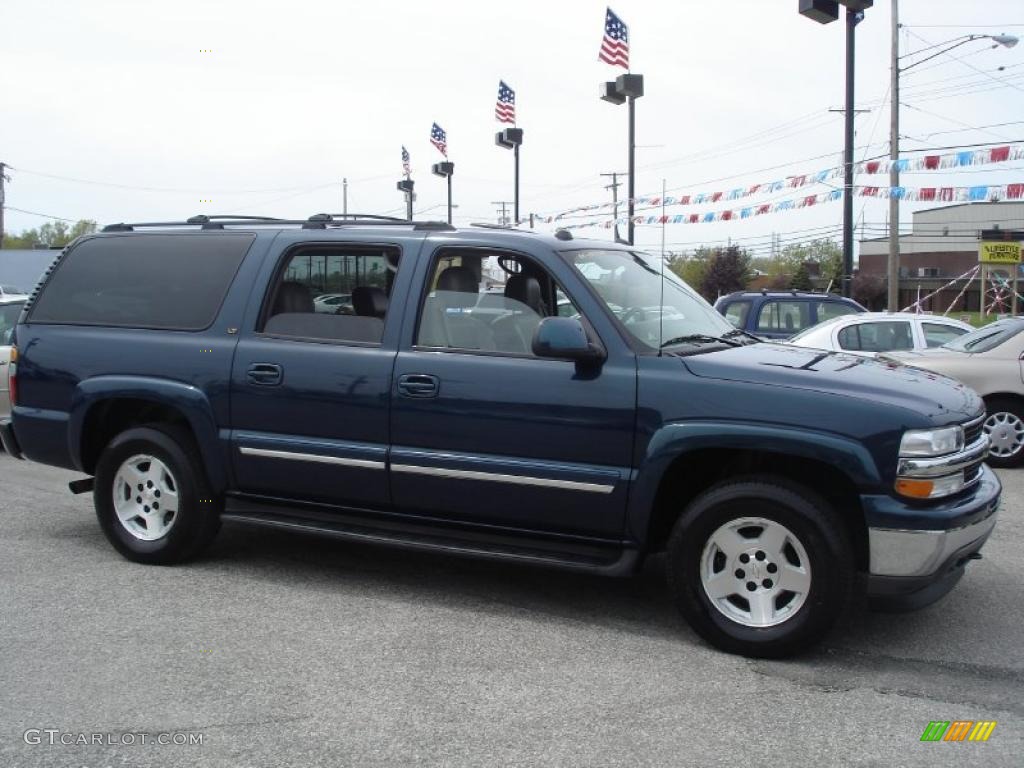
[(503, 215), (894, 172), (614, 187), (344, 196), (3, 178)]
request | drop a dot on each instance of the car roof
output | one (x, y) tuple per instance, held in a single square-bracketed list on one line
[(384, 227), (877, 316), (791, 294)]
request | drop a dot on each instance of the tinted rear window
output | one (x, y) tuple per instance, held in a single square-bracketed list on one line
[(172, 281)]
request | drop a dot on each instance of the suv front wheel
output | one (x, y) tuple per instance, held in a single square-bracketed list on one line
[(152, 498), (760, 567)]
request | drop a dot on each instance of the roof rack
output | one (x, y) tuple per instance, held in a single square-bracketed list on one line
[(316, 221), (505, 227)]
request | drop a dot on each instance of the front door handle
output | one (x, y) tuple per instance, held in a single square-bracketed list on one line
[(265, 374), (418, 385)]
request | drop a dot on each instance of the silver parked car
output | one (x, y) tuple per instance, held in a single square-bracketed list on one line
[(990, 360), (10, 308), (869, 333)]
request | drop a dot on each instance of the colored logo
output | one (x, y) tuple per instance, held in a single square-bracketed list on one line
[(958, 730)]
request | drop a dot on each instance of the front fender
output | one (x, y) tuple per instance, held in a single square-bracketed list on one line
[(190, 401), (675, 440)]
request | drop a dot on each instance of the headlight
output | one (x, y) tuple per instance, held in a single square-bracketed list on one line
[(932, 442)]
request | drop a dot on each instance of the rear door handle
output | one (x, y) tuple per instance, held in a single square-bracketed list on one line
[(418, 385), (265, 374)]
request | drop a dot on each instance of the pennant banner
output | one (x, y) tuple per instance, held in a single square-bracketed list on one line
[(1002, 154), (977, 193)]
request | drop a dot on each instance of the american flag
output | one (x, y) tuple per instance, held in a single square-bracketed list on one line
[(615, 46), (505, 107), (405, 161), (439, 139)]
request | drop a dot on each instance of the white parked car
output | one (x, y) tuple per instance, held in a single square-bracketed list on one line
[(869, 333)]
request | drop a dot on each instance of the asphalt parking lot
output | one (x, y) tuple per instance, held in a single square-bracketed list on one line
[(286, 650)]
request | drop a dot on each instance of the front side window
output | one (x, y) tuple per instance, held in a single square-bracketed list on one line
[(877, 337), (736, 313), (333, 293), (784, 317), (168, 281), (652, 309), (937, 334), (488, 302)]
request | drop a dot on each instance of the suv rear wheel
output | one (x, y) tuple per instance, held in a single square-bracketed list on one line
[(152, 498), (760, 567)]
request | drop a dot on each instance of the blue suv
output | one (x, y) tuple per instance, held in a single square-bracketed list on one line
[(781, 314), (493, 393)]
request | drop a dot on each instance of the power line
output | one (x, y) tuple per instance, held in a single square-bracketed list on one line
[(37, 213)]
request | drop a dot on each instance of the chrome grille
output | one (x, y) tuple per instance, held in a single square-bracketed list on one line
[(973, 429)]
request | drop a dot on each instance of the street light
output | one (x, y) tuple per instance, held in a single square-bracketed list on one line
[(512, 138), (406, 186), (627, 88), (1007, 41), (447, 170), (824, 12)]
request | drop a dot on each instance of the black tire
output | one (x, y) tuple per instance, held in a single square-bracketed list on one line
[(819, 531), (197, 519), (996, 407)]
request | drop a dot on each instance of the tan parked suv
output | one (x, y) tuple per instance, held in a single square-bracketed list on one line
[(10, 308), (990, 360)]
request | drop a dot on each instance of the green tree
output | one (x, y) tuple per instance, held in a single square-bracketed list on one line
[(50, 233), (690, 268), (728, 270), (827, 254), (801, 279)]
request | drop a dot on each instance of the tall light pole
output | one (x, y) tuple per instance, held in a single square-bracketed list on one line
[(824, 12), (512, 138), (446, 170), (896, 70), (627, 89)]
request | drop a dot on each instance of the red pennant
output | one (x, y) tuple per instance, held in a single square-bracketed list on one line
[(931, 162), (926, 193), (726, 215), (1014, 191), (873, 166), (999, 154)]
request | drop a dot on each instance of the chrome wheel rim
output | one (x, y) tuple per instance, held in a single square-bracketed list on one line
[(755, 572), (1005, 432), (145, 497)]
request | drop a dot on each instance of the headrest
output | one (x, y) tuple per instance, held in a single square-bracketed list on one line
[(370, 301), (458, 279), (293, 297), (526, 290)]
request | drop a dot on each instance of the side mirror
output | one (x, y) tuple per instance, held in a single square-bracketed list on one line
[(565, 338)]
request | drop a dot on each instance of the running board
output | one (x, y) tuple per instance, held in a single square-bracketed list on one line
[(604, 560)]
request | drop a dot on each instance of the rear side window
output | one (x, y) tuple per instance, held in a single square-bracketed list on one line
[(785, 316), (8, 319), (167, 281), (828, 310)]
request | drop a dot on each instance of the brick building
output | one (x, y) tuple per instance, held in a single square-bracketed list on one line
[(942, 244)]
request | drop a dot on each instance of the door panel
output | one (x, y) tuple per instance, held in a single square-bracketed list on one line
[(318, 434), (515, 441)]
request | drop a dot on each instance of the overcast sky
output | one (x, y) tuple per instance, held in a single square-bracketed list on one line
[(294, 96)]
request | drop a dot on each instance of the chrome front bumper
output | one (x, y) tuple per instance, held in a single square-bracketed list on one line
[(922, 553)]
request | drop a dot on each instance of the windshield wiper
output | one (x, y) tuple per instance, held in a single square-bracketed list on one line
[(701, 338), (753, 339)]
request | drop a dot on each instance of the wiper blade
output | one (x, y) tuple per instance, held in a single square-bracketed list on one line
[(739, 332), (700, 338)]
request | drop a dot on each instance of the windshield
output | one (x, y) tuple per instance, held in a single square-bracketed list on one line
[(989, 337), (630, 285)]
